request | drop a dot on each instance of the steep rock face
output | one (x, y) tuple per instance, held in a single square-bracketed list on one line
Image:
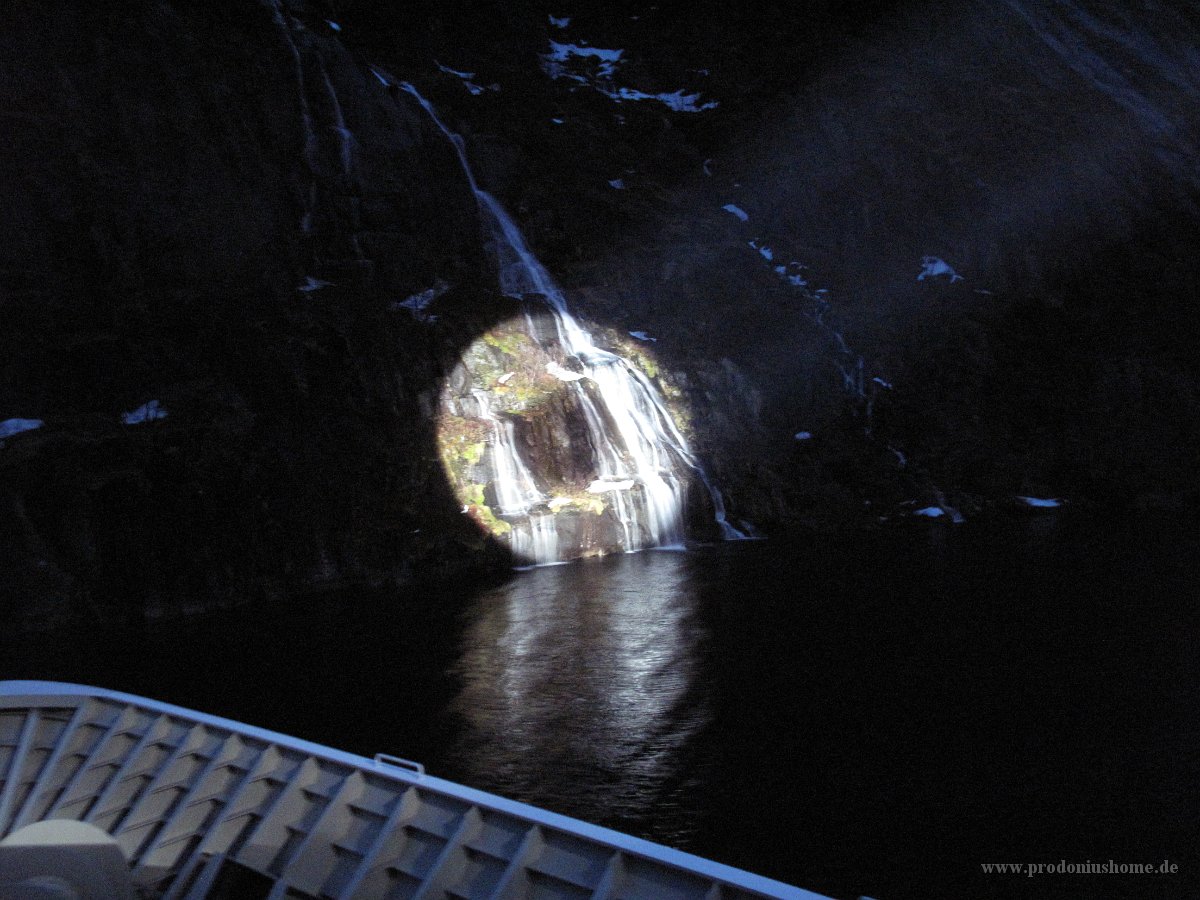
[(225, 210), (218, 209), (1045, 152), (957, 252), (562, 441)]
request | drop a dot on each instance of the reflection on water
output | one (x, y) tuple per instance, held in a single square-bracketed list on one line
[(581, 694), (871, 714)]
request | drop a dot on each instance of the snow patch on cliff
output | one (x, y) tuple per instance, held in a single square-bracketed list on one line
[(417, 303), (766, 252), (1040, 502), (679, 100), (595, 67), (150, 411), (563, 53), (466, 79), (932, 267), (10, 427), (311, 284)]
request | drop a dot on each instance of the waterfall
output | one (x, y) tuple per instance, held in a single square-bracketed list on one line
[(345, 143), (306, 117), (345, 136), (534, 535), (536, 540), (642, 461), (516, 491), (312, 144)]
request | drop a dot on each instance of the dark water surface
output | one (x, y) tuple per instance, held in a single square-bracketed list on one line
[(874, 714)]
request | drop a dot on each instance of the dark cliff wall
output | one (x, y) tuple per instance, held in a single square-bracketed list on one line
[(155, 173), (166, 204), (1044, 149)]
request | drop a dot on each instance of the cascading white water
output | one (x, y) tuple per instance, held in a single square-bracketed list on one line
[(641, 457), (345, 136), (306, 118), (345, 143), (647, 445), (534, 537), (312, 144), (516, 491)]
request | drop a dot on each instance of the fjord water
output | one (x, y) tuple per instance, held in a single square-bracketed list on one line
[(872, 714)]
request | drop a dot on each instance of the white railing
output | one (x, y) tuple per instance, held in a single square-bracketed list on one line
[(189, 796)]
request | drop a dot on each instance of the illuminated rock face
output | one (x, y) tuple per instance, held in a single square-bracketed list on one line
[(227, 212), (562, 454)]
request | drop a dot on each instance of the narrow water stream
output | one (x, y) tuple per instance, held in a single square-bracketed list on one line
[(641, 460)]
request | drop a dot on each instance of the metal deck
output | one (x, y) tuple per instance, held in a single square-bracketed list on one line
[(196, 801)]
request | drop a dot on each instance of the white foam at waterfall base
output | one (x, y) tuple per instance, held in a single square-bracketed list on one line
[(633, 435), (537, 539)]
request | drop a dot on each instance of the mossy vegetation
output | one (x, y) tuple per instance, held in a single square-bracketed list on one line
[(644, 361), (472, 495), (510, 341), (473, 453), (462, 442), (525, 393), (483, 516), (510, 366), (586, 502)]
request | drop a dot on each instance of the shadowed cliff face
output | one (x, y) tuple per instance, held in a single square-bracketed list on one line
[(217, 209), (989, 209), (224, 210)]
